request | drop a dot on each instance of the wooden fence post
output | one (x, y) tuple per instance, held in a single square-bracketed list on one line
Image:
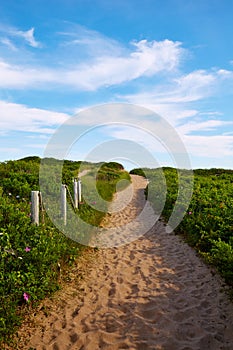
[(63, 204), (35, 207), (42, 208), (75, 183), (79, 191)]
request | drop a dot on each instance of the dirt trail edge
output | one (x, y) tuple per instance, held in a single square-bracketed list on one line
[(153, 293)]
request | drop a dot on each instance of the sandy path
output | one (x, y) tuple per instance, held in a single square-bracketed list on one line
[(153, 293)]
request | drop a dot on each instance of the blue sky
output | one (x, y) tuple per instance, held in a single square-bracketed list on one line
[(174, 57)]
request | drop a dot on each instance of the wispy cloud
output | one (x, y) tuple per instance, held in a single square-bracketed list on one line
[(27, 35), (20, 77), (145, 60), (186, 88), (10, 34), (102, 69), (196, 145), (90, 42), (209, 125), (217, 146), (8, 43), (17, 117), (13, 150)]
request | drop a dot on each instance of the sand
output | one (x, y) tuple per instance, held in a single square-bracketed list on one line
[(153, 293)]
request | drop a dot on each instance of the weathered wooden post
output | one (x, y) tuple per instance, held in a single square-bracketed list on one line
[(63, 204), (42, 208), (35, 207), (79, 191), (75, 183)]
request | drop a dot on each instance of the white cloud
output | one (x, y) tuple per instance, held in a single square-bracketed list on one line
[(186, 88), (173, 104), (146, 59), (27, 35), (193, 86), (217, 146), (208, 125), (90, 42), (9, 44), (16, 76), (196, 145), (225, 73), (12, 150), (11, 34), (17, 117), (36, 145), (174, 100)]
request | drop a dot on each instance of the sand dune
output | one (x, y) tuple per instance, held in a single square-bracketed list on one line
[(153, 293)]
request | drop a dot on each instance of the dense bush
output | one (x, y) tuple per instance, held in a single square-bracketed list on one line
[(138, 171)]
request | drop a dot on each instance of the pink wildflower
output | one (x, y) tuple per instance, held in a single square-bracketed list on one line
[(27, 249), (190, 213), (26, 296)]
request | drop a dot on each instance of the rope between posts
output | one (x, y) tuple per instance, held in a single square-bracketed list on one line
[(71, 198)]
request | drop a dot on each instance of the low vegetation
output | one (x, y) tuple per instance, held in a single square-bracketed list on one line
[(208, 222), (32, 256)]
